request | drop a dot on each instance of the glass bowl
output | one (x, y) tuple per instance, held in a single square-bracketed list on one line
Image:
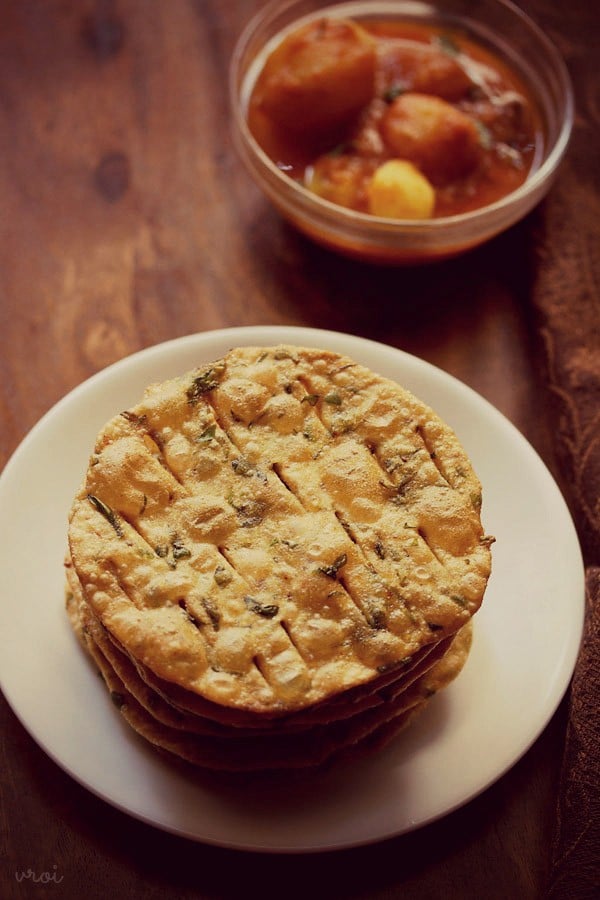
[(499, 27)]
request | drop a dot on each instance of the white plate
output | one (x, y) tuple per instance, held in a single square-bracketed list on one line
[(526, 637)]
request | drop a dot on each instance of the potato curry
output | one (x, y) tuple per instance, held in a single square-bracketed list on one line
[(392, 119)]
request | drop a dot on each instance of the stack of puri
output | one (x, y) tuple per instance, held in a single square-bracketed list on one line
[(274, 560)]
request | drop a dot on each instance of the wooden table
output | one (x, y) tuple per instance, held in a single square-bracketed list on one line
[(126, 220)]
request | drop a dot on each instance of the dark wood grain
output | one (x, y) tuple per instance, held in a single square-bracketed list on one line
[(126, 220)]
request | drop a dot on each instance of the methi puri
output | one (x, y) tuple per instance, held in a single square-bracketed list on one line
[(282, 543)]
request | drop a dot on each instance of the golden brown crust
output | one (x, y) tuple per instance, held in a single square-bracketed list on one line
[(248, 750), (277, 528)]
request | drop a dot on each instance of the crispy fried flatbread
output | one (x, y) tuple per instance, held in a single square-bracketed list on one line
[(275, 558), (278, 527)]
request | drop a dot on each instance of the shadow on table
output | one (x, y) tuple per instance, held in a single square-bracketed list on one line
[(407, 306)]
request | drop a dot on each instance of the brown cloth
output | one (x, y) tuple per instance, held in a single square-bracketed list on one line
[(566, 299)]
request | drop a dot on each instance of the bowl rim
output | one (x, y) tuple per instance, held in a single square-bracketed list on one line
[(310, 202)]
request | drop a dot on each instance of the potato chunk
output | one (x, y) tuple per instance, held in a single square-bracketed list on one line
[(441, 141), (422, 68), (319, 77), (399, 191)]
